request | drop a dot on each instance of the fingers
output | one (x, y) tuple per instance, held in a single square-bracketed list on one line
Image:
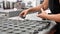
[(40, 13), (42, 10), (21, 13), (25, 14)]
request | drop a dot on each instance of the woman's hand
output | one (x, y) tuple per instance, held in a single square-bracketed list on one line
[(43, 14), (23, 13)]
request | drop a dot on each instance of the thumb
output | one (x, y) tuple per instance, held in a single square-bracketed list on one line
[(42, 10)]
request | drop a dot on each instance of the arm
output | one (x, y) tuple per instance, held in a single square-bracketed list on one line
[(44, 5), (55, 17)]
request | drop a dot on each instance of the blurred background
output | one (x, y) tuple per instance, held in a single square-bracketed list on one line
[(10, 4)]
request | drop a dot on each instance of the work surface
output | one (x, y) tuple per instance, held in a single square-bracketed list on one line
[(25, 26), (30, 25)]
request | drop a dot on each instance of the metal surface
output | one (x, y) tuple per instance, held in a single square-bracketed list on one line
[(17, 25), (23, 26)]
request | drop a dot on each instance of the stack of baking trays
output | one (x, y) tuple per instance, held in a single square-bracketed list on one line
[(26, 26)]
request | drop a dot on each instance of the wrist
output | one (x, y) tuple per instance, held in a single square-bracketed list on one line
[(46, 16), (49, 16)]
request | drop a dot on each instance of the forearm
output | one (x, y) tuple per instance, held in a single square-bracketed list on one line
[(37, 8), (44, 5), (55, 17)]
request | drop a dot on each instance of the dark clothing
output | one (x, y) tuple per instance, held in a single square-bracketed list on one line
[(54, 6), (55, 9)]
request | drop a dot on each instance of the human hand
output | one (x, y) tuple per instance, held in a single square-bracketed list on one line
[(23, 13), (43, 14)]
